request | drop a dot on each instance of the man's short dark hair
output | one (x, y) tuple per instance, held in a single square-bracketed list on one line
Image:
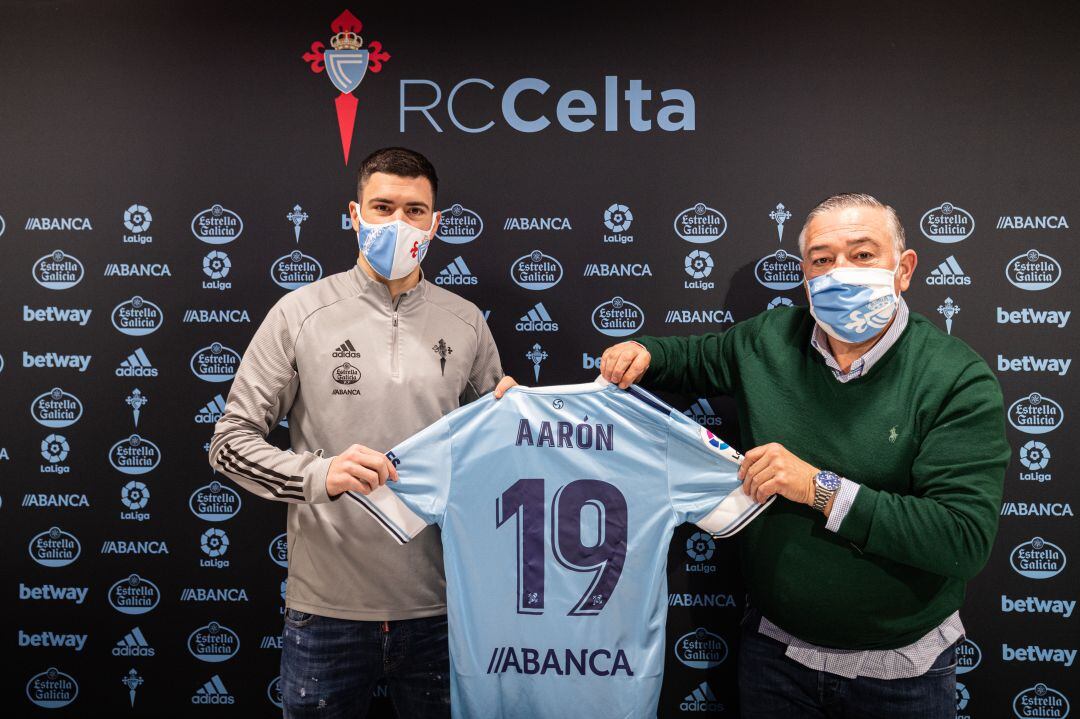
[(399, 161)]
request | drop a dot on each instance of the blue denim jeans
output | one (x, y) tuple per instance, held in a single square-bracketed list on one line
[(771, 685), (329, 666)]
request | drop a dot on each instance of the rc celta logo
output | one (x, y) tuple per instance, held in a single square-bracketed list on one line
[(345, 66), (459, 225)]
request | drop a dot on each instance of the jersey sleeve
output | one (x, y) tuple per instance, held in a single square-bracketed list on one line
[(703, 480), (418, 498)]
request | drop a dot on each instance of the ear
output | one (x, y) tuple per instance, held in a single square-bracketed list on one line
[(354, 215), (908, 262)]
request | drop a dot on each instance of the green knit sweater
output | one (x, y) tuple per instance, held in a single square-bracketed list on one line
[(923, 433)]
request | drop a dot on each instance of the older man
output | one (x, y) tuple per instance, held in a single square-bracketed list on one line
[(886, 438)]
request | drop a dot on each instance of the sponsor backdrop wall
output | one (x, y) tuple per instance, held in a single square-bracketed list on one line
[(169, 172)]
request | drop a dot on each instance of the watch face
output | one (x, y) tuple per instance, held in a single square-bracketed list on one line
[(828, 481)]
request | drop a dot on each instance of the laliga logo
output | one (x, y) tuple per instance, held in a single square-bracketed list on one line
[(459, 225), (213, 643), (346, 65), (701, 649), (134, 595), (947, 223), (52, 689), (279, 550), (215, 363), (54, 548), (700, 224)]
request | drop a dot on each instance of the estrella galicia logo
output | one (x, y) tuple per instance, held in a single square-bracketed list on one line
[(56, 408), (54, 548), (134, 455), (215, 363), (213, 643), (295, 270), (1035, 414), (947, 223), (459, 225), (58, 271), (345, 65), (1033, 271), (1041, 701), (701, 649), (346, 374), (215, 502), (1037, 559), (968, 656), (618, 317), (137, 317), (134, 595), (279, 550), (216, 225), (273, 692), (536, 271), (52, 689), (700, 224), (779, 271)]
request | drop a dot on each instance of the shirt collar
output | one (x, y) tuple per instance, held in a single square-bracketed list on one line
[(365, 283), (861, 366)]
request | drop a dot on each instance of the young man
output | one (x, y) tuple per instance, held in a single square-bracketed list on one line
[(358, 361), (886, 439)]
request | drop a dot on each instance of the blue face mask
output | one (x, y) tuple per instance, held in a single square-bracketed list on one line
[(393, 249), (853, 304)]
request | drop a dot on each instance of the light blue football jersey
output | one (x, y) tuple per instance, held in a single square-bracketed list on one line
[(557, 506)]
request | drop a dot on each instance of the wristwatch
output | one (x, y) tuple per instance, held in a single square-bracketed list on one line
[(826, 484)]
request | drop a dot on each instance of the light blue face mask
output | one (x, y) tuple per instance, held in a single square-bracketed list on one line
[(393, 249), (853, 304)]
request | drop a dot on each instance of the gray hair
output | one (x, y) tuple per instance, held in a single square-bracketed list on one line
[(845, 200)]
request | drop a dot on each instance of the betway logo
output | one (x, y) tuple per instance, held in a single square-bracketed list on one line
[(948, 273), (52, 639), (1035, 653), (1028, 363), (1032, 222), (56, 314), (1030, 316), (51, 592), (52, 359), (1034, 605)]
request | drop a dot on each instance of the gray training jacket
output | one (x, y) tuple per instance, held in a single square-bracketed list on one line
[(346, 366)]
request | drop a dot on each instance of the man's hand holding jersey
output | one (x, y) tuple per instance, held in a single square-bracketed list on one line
[(358, 469), (766, 470)]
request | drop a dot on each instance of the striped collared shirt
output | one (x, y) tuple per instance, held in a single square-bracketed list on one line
[(908, 661)]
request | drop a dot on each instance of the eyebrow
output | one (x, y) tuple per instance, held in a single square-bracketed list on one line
[(415, 203), (850, 243)]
